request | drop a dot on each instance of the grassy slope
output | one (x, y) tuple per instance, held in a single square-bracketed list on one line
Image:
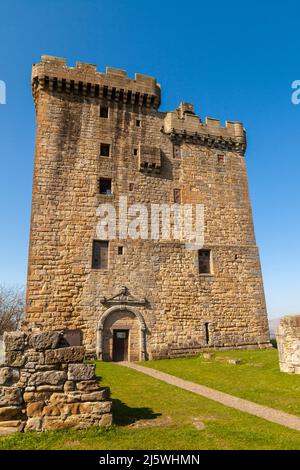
[(257, 379), (137, 397)]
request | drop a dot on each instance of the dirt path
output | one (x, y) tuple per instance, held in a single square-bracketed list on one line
[(270, 414)]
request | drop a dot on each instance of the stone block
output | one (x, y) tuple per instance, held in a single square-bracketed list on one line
[(87, 385), (11, 427), (34, 424), (10, 412), (70, 354), (81, 371), (92, 408), (15, 359), (45, 340), (235, 361), (52, 377), (9, 376), (95, 396), (35, 408), (10, 396), (14, 340)]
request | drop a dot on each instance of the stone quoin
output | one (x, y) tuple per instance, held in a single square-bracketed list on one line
[(100, 136)]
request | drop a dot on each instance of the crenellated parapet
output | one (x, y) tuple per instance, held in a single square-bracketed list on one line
[(53, 74), (184, 124)]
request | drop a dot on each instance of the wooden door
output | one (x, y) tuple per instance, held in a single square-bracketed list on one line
[(120, 345)]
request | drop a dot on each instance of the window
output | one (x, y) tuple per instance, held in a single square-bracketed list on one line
[(120, 250), (204, 261), (206, 329), (104, 112), (221, 159), (177, 196), (135, 152), (105, 186), (104, 150), (131, 186), (138, 123), (176, 151), (100, 255)]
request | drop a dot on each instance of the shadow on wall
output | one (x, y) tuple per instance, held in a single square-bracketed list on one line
[(124, 415)]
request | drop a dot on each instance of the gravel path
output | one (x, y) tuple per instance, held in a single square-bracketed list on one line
[(270, 414)]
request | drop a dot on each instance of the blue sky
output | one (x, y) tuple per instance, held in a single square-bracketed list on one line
[(234, 60)]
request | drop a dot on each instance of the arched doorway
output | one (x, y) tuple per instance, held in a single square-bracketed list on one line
[(121, 335)]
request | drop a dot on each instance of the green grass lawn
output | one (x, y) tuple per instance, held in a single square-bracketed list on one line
[(150, 414), (258, 378)]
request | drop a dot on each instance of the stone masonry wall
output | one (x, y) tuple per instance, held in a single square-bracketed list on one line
[(288, 343), (45, 385), (205, 161)]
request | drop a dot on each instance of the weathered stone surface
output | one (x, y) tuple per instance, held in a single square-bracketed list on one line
[(207, 356), (34, 424), (288, 343), (35, 408), (92, 408), (10, 412), (48, 378), (95, 396), (45, 340), (10, 396), (15, 359), (8, 375), (39, 396), (14, 341), (81, 371), (49, 388), (69, 386), (66, 355), (87, 385), (10, 427)]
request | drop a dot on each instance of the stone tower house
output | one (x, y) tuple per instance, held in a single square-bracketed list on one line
[(100, 136)]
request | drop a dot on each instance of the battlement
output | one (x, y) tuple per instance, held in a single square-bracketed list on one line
[(183, 123), (53, 74)]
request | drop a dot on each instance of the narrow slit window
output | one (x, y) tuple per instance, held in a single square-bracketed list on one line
[(104, 112), (204, 261), (206, 328), (100, 254), (138, 123), (105, 186), (176, 151), (177, 196), (120, 250), (135, 152), (104, 150), (131, 186)]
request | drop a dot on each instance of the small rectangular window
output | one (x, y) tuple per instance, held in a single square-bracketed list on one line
[(204, 261), (120, 250), (135, 152), (105, 186), (100, 254), (176, 151), (104, 150), (177, 196), (221, 159), (104, 112), (131, 186), (138, 123)]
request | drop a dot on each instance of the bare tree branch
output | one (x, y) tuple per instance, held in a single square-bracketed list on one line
[(12, 304)]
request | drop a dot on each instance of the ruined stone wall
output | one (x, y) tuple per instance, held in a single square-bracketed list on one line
[(45, 385), (63, 291), (288, 343)]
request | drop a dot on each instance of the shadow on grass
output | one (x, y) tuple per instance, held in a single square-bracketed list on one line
[(124, 415)]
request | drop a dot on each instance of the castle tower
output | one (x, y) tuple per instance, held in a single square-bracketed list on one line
[(101, 142)]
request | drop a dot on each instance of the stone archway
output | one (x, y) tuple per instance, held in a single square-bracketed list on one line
[(122, 317)]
